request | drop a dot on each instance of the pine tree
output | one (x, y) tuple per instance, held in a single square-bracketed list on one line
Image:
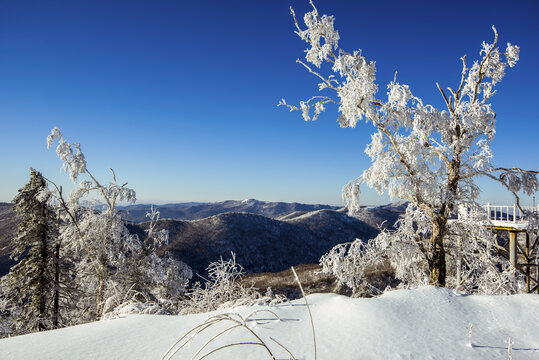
[(30, 285)]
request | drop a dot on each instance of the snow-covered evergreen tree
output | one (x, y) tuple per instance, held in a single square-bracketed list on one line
[(30, 288), (427, 156)]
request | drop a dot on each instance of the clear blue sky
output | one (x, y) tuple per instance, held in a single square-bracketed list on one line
[(179, 97)]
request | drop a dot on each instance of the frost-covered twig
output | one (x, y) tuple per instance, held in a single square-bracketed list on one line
[(237, 322), (510, 344), (308, 309)]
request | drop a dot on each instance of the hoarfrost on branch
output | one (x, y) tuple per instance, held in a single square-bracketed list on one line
[(419, 153)]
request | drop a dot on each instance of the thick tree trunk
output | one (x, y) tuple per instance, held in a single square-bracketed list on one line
[(99, 298), (437, 265), (56, 300), (42, 282)]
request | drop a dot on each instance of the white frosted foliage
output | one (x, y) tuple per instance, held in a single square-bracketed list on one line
[(422, 154), (111, 266)]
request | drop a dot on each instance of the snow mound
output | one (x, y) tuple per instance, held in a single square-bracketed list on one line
[(423, 323), (135, 307)]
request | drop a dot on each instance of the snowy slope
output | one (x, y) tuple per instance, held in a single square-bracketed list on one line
[(261, 244), (424, 323)]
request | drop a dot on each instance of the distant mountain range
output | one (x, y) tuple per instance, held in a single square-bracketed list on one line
[(195, 211), (265, 236)]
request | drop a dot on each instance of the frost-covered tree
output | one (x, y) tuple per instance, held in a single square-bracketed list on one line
[(159, 280), (419, 153), (110, 263), (30, 287)]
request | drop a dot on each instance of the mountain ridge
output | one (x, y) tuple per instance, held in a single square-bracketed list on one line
[(293, 234), (195, 211), (260, 244)]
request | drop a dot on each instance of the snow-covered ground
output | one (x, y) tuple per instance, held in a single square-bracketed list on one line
[(424, 323)]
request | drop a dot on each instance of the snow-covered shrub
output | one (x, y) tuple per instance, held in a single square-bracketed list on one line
[(152, 278), (135, 307), (221, 290), (471, 254)]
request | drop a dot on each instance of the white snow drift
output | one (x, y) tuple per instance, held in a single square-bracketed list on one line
[(424, 323)]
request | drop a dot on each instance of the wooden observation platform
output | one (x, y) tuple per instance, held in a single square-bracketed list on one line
[(521, 250)]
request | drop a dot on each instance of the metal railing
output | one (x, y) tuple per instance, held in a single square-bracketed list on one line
[(509, 213)]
